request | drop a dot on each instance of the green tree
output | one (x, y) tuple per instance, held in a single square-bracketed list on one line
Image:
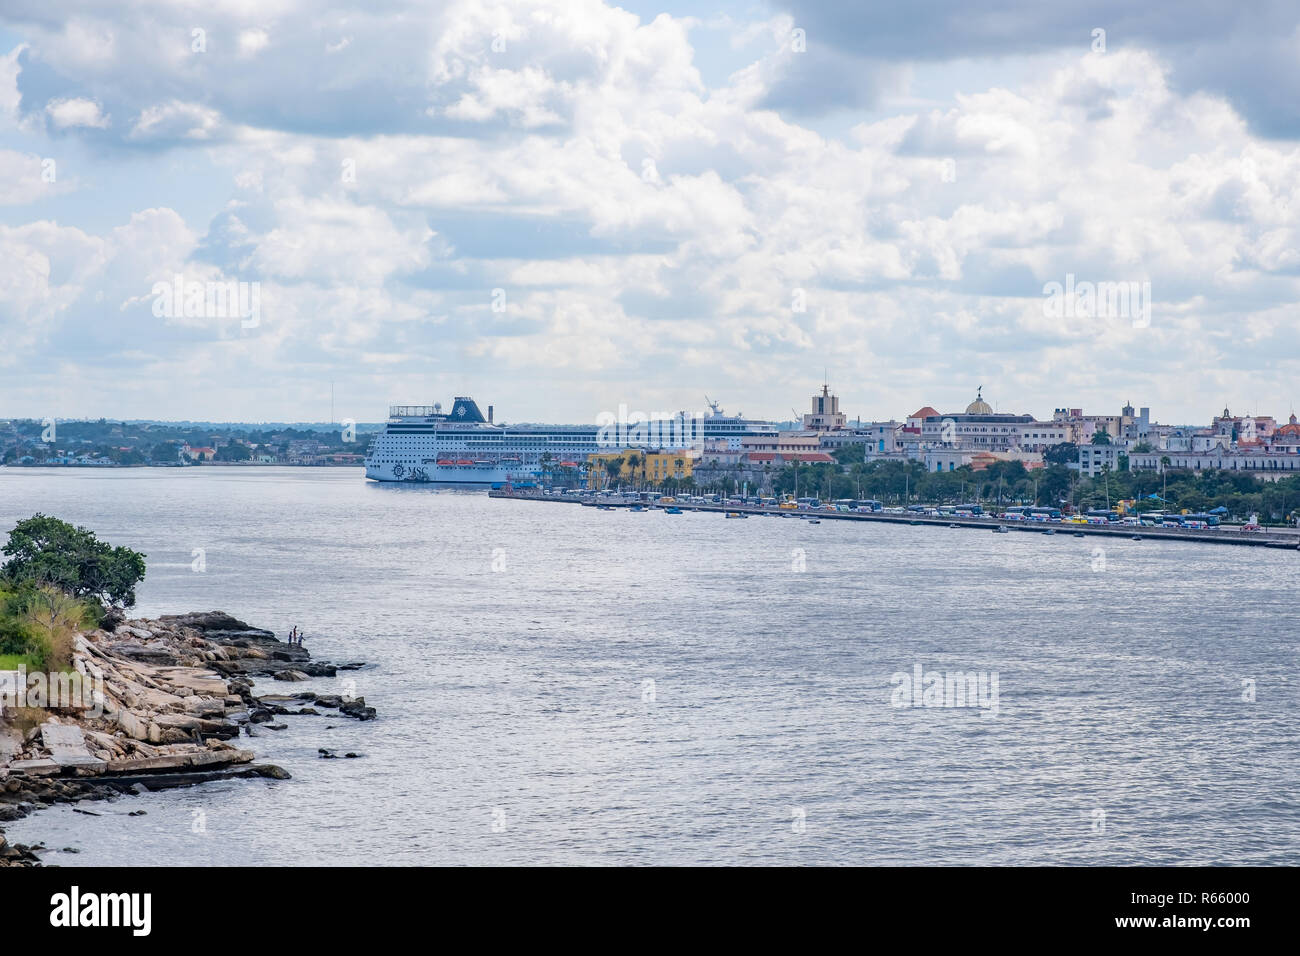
[(233, 451), (1053, 485), (854, 454), (1062, 454), (46, 551), (612, 468)]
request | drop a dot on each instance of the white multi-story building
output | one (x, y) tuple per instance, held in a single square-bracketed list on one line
[(980, 428), (1279, 463), (1096, 459)]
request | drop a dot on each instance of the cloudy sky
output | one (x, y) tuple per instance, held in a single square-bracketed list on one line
[(558, 207)]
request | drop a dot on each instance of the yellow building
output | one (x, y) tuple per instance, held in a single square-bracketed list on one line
[(639, 467)]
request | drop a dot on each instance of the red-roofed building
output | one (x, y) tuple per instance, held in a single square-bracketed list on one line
[(917, 419)]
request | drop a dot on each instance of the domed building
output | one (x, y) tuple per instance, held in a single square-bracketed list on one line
[(980, 428), (979, 406), (1287, 437)]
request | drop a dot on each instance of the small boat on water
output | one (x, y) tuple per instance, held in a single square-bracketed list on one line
[(672, 511), (636, 508), (814, 520), (1001, 529), (736, 514), (1050, 531), (954, 526), (1080, 534)]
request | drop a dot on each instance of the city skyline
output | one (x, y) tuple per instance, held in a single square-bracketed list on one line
[(701, 407)]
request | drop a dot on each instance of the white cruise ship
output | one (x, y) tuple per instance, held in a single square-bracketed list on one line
[(422, 443)]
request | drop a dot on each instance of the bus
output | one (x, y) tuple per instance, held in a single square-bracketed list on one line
[(1207, 520), (1043, 514), (857, 504), (1109, 517)]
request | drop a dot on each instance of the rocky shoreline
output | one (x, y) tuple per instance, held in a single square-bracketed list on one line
[(174, 695)]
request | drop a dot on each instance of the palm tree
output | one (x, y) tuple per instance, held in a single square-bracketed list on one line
[(613, 467), (632, 462)]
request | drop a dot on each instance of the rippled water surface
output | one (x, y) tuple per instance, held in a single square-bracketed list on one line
[(512, 645)]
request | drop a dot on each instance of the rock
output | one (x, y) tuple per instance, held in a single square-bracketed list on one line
[(146, 653), (39, 765), (270, 771), (203, 682), (133, 726), (290, 675), (214, 625), (357, 708), (181, 761), (329, 700), (204, 706)]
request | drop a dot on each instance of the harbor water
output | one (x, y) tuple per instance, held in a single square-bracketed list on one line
[(558, 684)]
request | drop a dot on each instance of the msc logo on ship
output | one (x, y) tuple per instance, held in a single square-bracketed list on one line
[(460, 410), (398, 470)]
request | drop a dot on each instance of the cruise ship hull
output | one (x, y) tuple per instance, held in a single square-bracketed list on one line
[(432, 472)]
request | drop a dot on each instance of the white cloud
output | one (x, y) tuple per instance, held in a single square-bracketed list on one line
[(176, 120), (253, 41), (77, 111), (643, 222)]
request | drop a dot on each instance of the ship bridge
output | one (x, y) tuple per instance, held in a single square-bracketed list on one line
[(414, 411)]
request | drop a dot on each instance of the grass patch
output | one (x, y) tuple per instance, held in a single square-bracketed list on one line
[(37, 626)]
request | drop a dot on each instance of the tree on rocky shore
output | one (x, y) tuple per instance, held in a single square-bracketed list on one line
[(43, 550)]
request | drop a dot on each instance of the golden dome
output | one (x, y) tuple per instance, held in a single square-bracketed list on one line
[(979, 406)]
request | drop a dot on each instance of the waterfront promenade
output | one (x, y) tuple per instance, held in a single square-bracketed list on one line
[(1284, 539)]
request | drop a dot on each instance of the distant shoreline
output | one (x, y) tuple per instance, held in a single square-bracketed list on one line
[(1277, 540), (206, 464)]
